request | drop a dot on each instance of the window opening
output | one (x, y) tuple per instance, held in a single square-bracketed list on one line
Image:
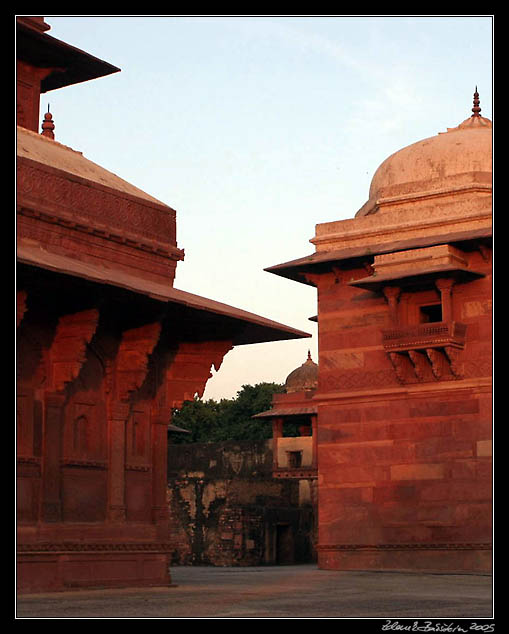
[(430, 313), (294, 459)]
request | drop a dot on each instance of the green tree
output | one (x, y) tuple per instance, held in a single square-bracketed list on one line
[(227, 419)]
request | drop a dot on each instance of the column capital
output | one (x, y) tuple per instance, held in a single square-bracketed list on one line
[(445, 283), (391, 293), (54, 399)]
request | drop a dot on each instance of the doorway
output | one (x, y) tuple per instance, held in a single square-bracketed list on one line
[(284, 545)]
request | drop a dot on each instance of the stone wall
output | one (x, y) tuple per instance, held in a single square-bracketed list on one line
[(227, 510)]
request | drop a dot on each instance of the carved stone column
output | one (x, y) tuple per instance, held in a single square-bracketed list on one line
[(392, 294), (160, 511), (51, 502), (277, 433), (118, 415), (127, 375), (314, 440), (183, 373), (445, 288), (66, 357)]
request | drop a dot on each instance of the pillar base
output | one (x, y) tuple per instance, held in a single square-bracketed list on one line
[(54, 567)]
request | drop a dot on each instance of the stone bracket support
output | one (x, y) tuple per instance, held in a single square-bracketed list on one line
[(68, 350), (188, 371), (126, 375), (392, 294), (66, 357), (21, 306)]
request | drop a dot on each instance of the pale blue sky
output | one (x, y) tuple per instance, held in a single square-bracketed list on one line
[(256, 128)]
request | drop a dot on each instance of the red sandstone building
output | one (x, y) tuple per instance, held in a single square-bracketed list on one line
[(404, 396), (107, 347)]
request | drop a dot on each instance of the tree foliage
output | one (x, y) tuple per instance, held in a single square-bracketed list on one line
[(227, 419)]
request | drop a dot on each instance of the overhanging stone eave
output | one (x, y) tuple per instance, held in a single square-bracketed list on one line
[(413, 276), (297, 269), (246, 327)]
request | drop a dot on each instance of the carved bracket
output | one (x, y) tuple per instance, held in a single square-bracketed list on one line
[(402, 366), (438, 361), (131, 364), (21, 306), (188, 371), (440, 364), (68, 350), (421, 365), (453, 355)]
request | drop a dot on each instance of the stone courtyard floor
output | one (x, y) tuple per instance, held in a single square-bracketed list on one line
[(282, 592)]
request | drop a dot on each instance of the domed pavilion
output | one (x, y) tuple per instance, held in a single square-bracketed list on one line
[(404, 395), (295, 457)]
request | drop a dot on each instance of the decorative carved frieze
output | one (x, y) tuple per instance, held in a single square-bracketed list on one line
[(52, 196), (406, 546), (88, 464), (85, 547)]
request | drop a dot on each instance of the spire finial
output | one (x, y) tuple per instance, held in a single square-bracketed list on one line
[(48, 125), (309, 355), (476, 109)]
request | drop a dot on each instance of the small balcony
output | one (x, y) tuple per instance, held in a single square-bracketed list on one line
[(427, 351), (424, 336)]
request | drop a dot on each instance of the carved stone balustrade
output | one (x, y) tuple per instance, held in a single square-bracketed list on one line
[(422, 336), (301, 473)]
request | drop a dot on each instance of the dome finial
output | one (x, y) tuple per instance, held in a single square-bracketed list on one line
[(476, 109), (309, 355), (48, 126)]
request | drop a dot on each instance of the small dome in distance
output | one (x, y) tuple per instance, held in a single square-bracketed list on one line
[(303, 378)]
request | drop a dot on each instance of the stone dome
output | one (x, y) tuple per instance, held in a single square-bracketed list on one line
[(449, 161), (303, 378)]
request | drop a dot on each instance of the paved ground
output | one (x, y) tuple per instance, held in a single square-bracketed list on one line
[(277, 592)]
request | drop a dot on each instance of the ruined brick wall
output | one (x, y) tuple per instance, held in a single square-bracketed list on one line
[(226, 509)]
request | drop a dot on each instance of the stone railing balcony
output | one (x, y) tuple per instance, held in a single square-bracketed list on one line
[(300, 473), (424, 336)]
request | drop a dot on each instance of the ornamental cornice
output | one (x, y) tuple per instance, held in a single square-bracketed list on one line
[(416, 223), (107, 233), (406, 546), (74, 203), (83, 547)]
